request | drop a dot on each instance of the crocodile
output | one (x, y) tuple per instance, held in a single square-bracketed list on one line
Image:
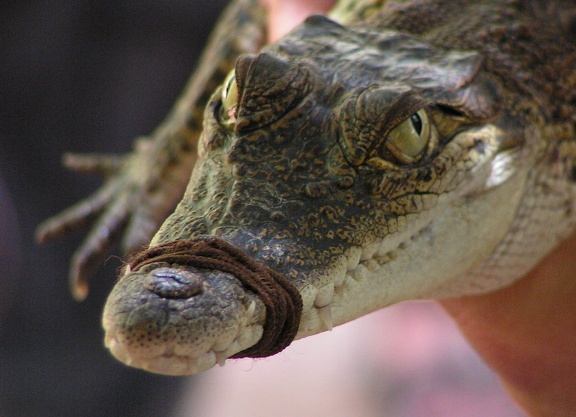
[(388, 151)]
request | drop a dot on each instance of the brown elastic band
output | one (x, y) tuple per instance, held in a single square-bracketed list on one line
[(280, 297)]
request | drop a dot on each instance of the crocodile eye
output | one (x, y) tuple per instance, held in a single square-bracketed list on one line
[(408, 140), (230, 96)]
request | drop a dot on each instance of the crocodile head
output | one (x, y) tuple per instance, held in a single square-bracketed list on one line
[(366, 166)]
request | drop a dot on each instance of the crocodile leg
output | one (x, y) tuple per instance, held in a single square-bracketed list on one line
[(143, 187)]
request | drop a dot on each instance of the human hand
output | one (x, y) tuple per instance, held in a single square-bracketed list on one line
[(527, 333)]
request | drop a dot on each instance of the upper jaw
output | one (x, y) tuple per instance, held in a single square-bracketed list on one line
[(177, 336), (178, 320)]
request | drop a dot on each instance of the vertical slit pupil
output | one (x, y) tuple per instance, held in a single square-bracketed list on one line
[(229, 85), (416, 123)]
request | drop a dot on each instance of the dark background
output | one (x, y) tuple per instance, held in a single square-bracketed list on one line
[(83, 76)]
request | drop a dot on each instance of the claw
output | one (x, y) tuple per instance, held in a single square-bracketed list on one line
[(97, 247), (124, 203), (85, 212), (77, 217)]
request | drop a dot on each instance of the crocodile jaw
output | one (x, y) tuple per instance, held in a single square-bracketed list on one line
[(437, 259), (157, 335)]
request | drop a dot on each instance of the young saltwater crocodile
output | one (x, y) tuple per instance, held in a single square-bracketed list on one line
[(396, 150)]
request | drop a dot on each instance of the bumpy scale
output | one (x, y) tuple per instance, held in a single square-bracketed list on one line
[(390, 151)]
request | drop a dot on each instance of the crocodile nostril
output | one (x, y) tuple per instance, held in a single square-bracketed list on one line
[(174, 283)]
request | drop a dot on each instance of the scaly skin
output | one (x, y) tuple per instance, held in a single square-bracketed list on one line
[(312, 172)]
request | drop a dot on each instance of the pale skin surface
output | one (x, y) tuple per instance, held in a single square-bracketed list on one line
[(527, 332), (285, 14)]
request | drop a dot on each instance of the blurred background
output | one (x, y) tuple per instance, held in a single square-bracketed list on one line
[(91, 76)]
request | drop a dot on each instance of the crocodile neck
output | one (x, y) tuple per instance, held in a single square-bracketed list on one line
[(504, 31)]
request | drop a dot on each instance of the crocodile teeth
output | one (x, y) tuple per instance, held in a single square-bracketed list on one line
[(206, 361), (221, 359), (250, 311), (369, 251), (223, 343), (325, 314), (360, 273), (353, 258), (385, 258), (324, 296), (339, 276), (372, 265)]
